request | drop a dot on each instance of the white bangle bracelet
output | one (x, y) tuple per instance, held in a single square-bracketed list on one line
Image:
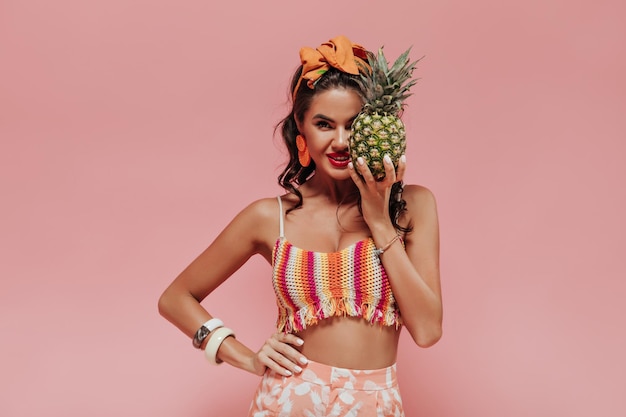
[(215, 341), (205, 330)]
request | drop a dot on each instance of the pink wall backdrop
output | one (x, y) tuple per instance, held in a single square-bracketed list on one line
[(132, 131)]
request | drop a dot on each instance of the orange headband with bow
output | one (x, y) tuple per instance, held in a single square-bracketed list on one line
[(338, 53)]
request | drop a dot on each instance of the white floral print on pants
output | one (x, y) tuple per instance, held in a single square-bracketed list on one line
[(326, 391)]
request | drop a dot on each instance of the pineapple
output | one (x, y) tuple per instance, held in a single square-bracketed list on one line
[(377, 130)]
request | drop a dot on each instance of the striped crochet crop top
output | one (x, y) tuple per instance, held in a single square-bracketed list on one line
[(312, 286)]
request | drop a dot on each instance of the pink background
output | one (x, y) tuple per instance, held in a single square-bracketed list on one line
[(132, 131)]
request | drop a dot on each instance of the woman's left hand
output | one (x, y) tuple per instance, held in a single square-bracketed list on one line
[(375, 194)]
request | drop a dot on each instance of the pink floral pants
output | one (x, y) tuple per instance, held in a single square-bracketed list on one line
[(326, 391)]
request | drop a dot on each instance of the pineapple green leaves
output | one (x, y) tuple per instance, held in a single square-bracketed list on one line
[(377, 130)]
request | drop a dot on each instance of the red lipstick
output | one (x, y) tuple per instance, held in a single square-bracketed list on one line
[(339, 159)]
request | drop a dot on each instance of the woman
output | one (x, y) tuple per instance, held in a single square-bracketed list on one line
[(354, 260)]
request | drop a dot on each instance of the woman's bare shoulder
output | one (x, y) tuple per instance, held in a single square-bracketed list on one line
[(264, 214), (418, 194), (260, 212), (256, 226), (421, 204), (268, 207)]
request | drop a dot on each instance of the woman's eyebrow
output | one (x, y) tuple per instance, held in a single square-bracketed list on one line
[(321, 116), (324, 117)]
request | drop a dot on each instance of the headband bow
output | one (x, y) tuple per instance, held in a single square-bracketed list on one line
[(338, 53)]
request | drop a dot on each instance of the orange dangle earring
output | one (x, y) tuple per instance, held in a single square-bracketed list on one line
[(303, 151)]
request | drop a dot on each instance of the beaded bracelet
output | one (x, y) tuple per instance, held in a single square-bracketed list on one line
[(215, 341), (205, 330), (380, 251)]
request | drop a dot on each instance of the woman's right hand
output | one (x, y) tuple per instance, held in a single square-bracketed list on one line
[(278, 354)]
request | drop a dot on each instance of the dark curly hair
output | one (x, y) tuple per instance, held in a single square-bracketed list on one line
[(294, 173)]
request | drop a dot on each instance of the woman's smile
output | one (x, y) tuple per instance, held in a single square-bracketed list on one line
[(339, 159)]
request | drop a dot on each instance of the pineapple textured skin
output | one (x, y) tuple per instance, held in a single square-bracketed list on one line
[(373, 136)]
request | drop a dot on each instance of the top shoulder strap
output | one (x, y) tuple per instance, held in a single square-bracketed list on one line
[(281, 221)]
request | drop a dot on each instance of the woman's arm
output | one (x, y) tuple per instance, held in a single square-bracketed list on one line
[(413, 271), (249, 233)]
